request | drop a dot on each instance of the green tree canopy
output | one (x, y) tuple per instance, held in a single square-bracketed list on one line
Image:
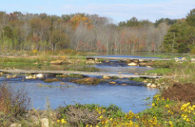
[(191, 18), (179, 38), (181, 35)]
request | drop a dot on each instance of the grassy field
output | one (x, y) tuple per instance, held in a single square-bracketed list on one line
[(68, 62), (179, 72)]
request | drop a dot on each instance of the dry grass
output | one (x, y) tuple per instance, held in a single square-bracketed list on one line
[(77, 116), (184, 73), (13, 105)]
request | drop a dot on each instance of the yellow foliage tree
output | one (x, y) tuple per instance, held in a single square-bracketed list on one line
[(80, 19)]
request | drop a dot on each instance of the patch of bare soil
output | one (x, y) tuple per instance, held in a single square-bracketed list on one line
[(180, 92)]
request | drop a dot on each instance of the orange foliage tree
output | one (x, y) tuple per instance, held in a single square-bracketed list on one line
[(80, 19)]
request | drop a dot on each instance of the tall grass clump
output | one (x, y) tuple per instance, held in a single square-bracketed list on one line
[(184, 72)]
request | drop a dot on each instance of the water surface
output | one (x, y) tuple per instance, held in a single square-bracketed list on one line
[(126, 97), (129, 97)]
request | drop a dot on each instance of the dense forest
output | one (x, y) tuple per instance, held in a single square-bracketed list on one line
[(181, 35), (82, 32)]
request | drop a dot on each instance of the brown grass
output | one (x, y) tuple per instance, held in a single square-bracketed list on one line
[(78, 116), (13, 105)]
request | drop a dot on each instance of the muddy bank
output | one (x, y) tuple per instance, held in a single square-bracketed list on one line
[(180, 92)]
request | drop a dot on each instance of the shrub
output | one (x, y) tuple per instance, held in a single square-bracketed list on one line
[(77, 115), (88, 114), (13, 105)]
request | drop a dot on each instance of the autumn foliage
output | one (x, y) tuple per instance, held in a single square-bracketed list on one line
[(80, 32)]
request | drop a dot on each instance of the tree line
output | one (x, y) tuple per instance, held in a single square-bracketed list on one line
[(181, 35), (83, 32)]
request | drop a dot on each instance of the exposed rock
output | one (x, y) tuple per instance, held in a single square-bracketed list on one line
[(150, 85), (44, 122), (11, 76), (132, 64), (153, 86), (57, 62), (141, 60), (112, 82), (30, 77), (106, 77), (15, 125), (40, 76)]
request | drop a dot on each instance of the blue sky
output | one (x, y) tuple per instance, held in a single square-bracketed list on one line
[(117, 10)]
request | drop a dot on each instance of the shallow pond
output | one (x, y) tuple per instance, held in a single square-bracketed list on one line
[(117, 66), (126, 97), (130, 97)]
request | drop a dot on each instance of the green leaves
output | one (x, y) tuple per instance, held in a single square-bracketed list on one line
[(191, 18), (181, 36)]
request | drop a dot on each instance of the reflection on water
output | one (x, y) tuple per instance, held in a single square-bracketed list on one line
[(126, 97)]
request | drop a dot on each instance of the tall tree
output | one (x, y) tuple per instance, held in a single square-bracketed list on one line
[(191, 18)]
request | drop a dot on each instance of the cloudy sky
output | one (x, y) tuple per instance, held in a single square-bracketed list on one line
[(117, 10)]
